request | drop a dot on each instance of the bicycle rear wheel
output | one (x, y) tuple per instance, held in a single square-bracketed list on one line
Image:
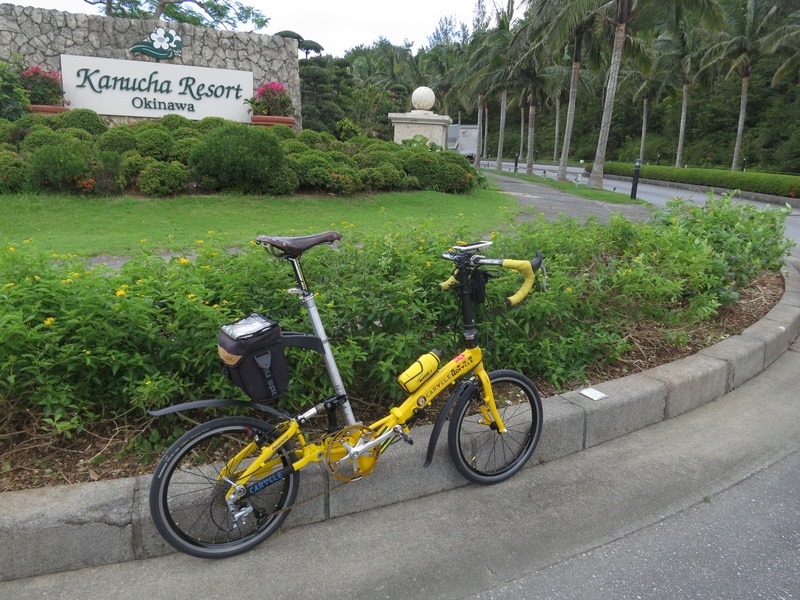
[(479, 451), (187, 494)]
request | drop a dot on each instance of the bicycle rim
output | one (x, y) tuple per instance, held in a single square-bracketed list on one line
[(479, 451), (188, 495)]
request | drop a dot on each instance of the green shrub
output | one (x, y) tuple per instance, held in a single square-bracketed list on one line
[(82, 118), (155, 141), (282, 181), (436, 171), (182, 149), (311, 138), (78, 133), (377, 157), (39, 137), (13, 172), (341, 158), (13, 98), (6, 131), (306, 166), (174, 122), (208, 124), (342, 180), (383, 177), (101, 343), (751, 181), (347, 129), (133, 164), (163, 179), (57, 168), (185, 132), (237, 157), (283, 132), (107, 169), (117, 139), (294, 147)]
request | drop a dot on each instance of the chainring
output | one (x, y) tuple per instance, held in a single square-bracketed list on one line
[(342, 465)]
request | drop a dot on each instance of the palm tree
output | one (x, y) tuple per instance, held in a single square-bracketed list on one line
[(680, 47), (489, 70), (620, 13), (787, 39), (548, 24), (642, 82), (743, 41)]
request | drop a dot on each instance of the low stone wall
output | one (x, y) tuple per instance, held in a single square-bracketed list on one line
[(41, 36)]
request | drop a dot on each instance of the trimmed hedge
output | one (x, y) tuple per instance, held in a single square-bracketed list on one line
[(218, 155), (750, 181)]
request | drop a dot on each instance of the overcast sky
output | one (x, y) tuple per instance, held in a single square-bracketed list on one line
[(337, 25)]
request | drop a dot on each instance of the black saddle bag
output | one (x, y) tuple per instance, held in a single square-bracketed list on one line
[(252, 356)]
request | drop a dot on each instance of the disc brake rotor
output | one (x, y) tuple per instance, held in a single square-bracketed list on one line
[(342, 464)]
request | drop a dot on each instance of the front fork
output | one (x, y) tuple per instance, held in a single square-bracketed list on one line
[(488, 407)]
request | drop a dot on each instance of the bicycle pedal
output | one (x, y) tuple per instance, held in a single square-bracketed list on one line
[(403, 435)]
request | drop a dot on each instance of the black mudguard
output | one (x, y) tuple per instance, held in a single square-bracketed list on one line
[(463, 391), (219, 402)]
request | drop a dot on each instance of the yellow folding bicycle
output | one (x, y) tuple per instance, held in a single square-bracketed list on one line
[(228, 484)]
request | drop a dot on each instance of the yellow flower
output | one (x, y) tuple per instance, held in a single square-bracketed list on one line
[(199, 242), (74, 274), (183, 260), (143, 241), (428, 263), (569, 290), (87, 352), (66, 280), (191, 296), (12, 249), (148, 382), (36, 278), (10, 284), (49, 321), (121, 293), (124, 286)]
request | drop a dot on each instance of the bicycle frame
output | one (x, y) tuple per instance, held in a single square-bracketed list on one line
[(386, 429)]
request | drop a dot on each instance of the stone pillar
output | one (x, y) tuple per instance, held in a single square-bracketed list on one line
[(421, 120)]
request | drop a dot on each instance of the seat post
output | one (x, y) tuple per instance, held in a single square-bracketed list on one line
[(307, 299), (298, 273)]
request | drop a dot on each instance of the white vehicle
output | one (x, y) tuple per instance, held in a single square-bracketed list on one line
[(464, 140)]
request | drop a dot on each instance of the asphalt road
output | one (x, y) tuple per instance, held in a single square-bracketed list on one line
[(659, 195)]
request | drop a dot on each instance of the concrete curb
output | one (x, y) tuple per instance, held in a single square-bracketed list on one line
[(91, 524)]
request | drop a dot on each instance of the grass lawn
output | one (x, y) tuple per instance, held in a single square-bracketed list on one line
[(123, 225)]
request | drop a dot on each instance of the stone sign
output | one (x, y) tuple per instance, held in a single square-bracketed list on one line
[(146, 89)]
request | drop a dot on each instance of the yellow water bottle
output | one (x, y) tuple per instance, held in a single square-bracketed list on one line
[(418, 373)]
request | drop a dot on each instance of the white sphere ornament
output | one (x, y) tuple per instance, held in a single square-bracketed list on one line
[(423, 98)]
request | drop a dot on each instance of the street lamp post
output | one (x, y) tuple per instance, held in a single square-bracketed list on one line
[(637, 165)]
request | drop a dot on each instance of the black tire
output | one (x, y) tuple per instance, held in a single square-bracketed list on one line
[(479, 451), (187, 498)]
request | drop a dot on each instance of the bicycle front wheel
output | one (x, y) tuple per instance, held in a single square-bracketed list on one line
[(188, 492), (479, 451)]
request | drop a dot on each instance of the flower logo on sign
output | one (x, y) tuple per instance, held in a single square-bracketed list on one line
[(163, 44)]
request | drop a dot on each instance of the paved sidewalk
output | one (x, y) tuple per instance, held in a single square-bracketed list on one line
[(73, 527), (490, 540)]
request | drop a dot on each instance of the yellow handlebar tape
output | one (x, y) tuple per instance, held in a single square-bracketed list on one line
[(450, 282), (523, 267)]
